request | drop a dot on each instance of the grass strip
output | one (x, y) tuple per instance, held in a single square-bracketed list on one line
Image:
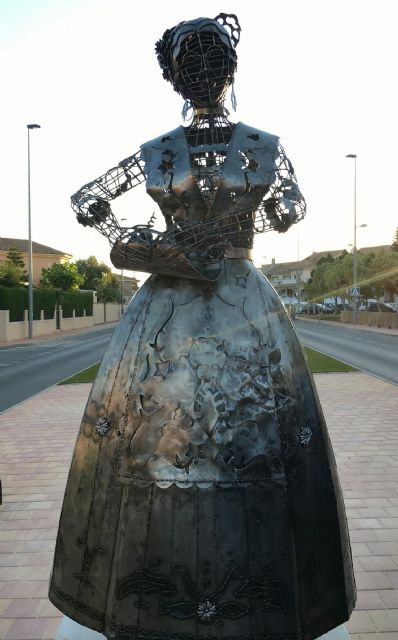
[(87, 375), (322, 363), (319, 363)]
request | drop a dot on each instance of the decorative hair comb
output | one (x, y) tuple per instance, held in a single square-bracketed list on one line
[(230, 22)]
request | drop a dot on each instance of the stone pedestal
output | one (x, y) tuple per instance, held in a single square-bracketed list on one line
[(70, 630)]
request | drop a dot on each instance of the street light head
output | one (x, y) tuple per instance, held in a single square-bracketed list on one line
[(351, 155), (33, 126)]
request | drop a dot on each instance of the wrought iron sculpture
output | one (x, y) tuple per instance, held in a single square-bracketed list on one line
[(203, 499)]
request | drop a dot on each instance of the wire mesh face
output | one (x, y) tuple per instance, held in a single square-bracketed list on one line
[(205, 69)]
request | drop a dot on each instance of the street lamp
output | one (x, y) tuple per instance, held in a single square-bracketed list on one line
[(354, 248), (30, 259), (298, 274), (123, 220)]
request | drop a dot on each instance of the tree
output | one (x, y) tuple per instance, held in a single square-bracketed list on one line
[(92, 272), (377, 274), (394, 246), (11, 275), (15, 257), (384, 274), (324, 278), (108, 290), (61, 276)]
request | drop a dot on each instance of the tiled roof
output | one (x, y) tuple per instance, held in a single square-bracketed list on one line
[(23, 245)]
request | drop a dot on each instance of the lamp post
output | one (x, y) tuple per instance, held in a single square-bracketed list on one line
[(122, 306), (298, 275), (354, 248), (30, 259)]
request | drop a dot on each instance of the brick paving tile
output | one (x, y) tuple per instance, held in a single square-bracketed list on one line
[(356, 564), (377, 563), (22, 588), (24, 573), (387, 534), (10, 546), (383, 548), (6, 536), (389, 523), (389, 597), (360, 549), (49, 611), (373, 580), (379, 502), (393, 577), (362, 535), (4, 602), (28, 629), (372, 512), (47, 534), (386, 620), (369, 600), (378, 636), (36, 546), (52, 628), (23, 608), (24, 559), (42, 589), (360, 622), (365, 523), (354, 503), (5, 624)]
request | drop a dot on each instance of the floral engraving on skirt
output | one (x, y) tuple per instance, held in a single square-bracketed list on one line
[(212, 607)]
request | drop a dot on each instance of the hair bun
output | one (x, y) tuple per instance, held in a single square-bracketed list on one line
[(230, 21)]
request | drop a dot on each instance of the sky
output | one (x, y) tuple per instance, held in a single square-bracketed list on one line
[(320, 74)]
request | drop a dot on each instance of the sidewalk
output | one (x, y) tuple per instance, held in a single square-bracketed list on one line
[(36, 442), (347, 325), (52, 337)]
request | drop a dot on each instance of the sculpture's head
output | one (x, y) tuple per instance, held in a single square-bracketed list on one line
[(198, 57)]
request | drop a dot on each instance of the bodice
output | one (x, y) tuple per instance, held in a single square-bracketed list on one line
[(200, 231), (245, 177)]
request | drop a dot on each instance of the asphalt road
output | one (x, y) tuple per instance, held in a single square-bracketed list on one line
[(376, 353), (26, 369)]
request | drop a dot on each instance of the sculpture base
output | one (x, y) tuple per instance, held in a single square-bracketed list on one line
[(70, 630)]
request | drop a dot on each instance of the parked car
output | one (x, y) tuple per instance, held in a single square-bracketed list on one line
[(312, 308), (381, 306), (329, 307)]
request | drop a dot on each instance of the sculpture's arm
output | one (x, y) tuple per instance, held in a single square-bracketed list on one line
[(284, 204), (91, 202)]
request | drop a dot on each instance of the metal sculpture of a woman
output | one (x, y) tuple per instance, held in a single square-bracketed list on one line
[(203, 499)]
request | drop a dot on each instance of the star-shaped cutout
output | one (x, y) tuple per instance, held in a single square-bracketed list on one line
[(162, 369)]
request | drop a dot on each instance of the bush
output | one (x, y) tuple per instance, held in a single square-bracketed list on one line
[(80, 301), (16, 300), (44, 299)]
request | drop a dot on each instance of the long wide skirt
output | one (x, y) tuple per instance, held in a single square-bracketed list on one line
[(203, 499)]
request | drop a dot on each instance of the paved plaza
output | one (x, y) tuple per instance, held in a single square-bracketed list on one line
[(36, 444)]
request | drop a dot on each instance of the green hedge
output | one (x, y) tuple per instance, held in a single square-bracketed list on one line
[(16, 299), (45, 299), (80, 301)]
